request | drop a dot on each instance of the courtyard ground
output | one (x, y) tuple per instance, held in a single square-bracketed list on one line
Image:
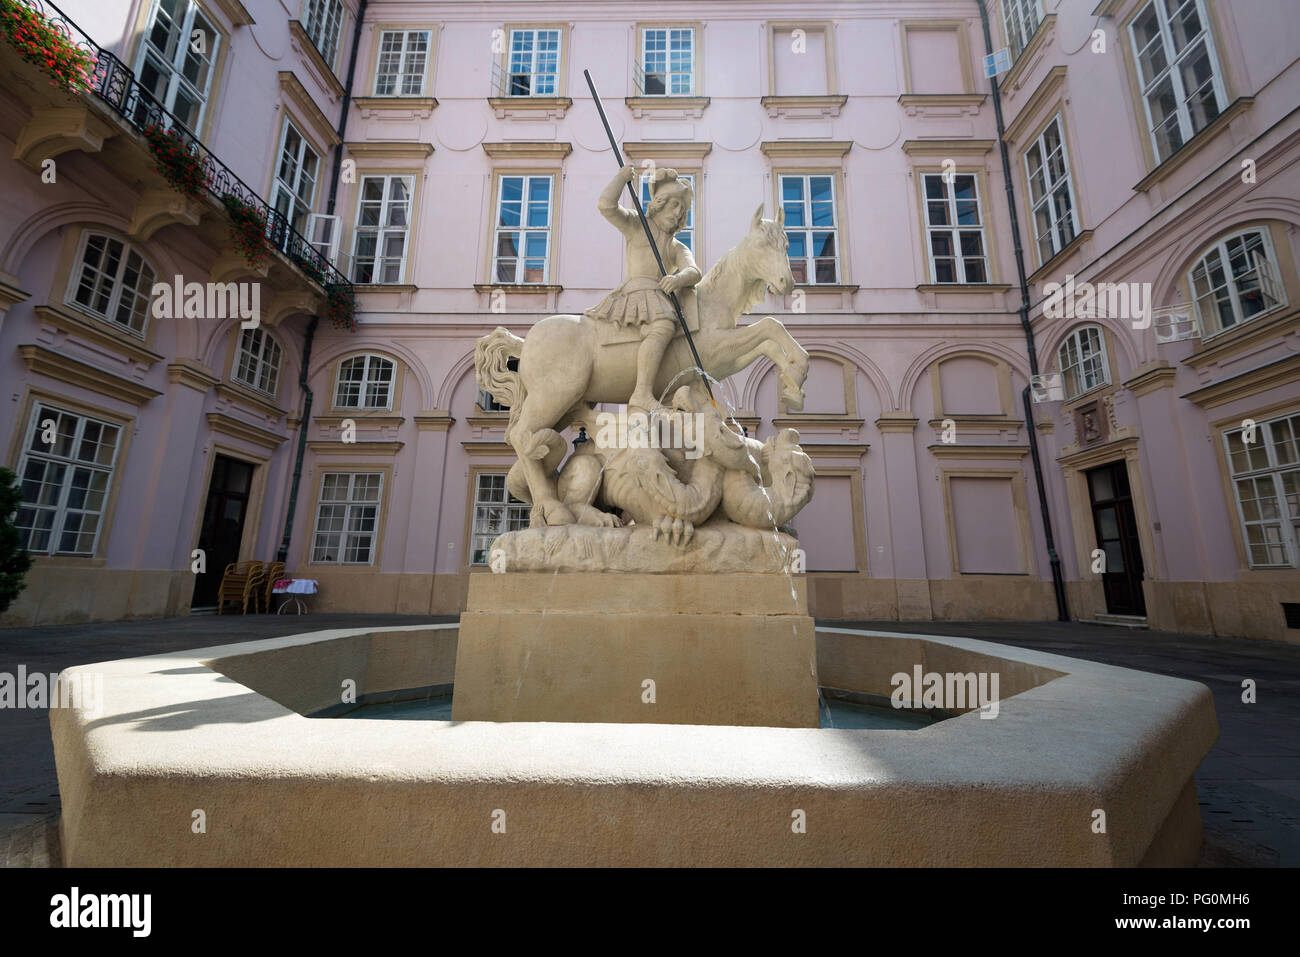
[(1248, 786)]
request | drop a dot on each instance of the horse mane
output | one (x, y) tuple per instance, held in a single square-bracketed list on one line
[(727, 267)]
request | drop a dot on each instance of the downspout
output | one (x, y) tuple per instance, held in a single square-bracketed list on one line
[(1058, 582), (282, 555)]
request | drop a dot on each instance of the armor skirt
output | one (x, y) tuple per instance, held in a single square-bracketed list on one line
[(636, 301)]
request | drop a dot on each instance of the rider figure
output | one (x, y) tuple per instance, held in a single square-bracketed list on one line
[(642, 298)]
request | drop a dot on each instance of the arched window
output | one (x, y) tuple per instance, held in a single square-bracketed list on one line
[(1236, 279), (1082, 361), (365, 382), (113, 281), (257, 364)]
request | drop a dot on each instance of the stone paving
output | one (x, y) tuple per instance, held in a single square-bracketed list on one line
[(1248, 786)]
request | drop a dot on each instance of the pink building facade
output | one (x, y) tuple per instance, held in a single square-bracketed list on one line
[(445, 159)]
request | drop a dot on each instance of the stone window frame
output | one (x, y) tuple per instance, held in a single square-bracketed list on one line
[(77, 266), (1076, 220), (561, 67), (426, 78), (842, 237), (1219, 244), (1273, 470), (325, 467), (697, 60), (978, 173), (824, 27), (32, 398), (555, 174), (1075, 335), (395, 383), (233, 372), (956, 27), (1020, 506), (312, 28), (416, 178), (216, 76)]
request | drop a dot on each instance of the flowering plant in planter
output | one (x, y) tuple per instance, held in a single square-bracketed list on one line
[(341, 307), (40, 41), (247, 229), (312, 268), (178, 160)]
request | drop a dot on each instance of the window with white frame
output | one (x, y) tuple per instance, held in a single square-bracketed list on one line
[(347, 518), (1082, 361), (667, 61), (177, 59), (534, 64), (1236, 279), (1266, 479), (295, 178), (403, 62), (1021, 19), (955, 229), (65, 481), (112, 281), (521, 248), (812, 227), (686, 235), (322, 20), (1182, 85), (1051, 192), (382, 229), (257, 361), (365, 382), (495, 511)]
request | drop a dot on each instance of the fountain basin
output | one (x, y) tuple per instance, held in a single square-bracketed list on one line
[(221, 735)]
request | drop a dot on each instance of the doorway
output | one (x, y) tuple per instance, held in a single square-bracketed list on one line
[(1115, 524), (222, 531)]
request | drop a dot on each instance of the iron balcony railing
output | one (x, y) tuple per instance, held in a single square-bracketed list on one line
[(119, 87)]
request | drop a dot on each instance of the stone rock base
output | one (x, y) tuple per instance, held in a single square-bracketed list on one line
[(625, 648), (719, 546)]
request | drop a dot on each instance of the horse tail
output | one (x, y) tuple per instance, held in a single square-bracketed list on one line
[(492, 372)]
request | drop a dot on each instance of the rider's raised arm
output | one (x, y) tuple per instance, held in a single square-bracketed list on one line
[(625, 220)]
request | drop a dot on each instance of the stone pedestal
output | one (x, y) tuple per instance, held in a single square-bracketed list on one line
[(733, 649)]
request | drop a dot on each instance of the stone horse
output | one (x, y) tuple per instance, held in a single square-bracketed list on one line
[(564, 364)]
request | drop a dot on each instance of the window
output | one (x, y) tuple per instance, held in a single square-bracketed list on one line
[(534, 63), (1266, 479), (522, 244), (177, 58), (1182, 89), (495, 511), (1082, 361), (113, 282), (686, 236), (383, 222), (1021, 19), (347, 518), (403, 57), (955, 229), (1236, 280), (365, 382), (1051, 193), (65, 482), (668, 61), (812, 228), (322, 19), (489, 404), (257, 362), (295, 178)]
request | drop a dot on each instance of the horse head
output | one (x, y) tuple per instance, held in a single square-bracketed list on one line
[(765, 251)]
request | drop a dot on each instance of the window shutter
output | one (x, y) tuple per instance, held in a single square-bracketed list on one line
[(323, 234)]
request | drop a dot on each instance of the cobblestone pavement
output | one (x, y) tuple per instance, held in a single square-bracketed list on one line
[(1248, 786)]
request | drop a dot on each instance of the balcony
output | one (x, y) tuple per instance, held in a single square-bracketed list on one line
[(110, 118)]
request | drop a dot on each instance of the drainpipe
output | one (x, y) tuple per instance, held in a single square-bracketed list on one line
[(1054, 559), (282, 555)]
